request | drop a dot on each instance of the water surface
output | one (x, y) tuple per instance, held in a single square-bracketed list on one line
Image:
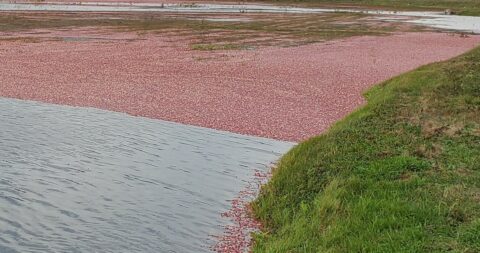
[(88, 180)]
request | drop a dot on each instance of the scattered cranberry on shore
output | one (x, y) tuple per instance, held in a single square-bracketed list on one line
[(236, 237)]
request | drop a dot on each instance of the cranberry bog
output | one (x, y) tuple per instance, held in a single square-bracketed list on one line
[(282, 76)]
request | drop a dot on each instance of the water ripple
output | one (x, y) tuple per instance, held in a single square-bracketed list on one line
[(87, 180)]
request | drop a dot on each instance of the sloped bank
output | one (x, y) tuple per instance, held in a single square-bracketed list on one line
[(401, 174)]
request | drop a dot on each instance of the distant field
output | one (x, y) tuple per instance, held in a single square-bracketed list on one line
[(461, 7), (246, 31)]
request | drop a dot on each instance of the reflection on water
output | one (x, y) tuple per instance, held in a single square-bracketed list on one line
[(87, 180)]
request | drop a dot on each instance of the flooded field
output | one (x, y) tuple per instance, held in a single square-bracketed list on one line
[(429, 19), (255, 92), (78, 179), (88, 180)]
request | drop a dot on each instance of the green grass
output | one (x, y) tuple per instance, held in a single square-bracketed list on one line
[(401, 174), (462, 7)]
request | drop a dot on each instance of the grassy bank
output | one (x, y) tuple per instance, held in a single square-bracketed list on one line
[(461, 7), (401, 174)]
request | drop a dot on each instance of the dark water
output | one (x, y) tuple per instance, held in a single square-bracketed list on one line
[(87, 180)]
